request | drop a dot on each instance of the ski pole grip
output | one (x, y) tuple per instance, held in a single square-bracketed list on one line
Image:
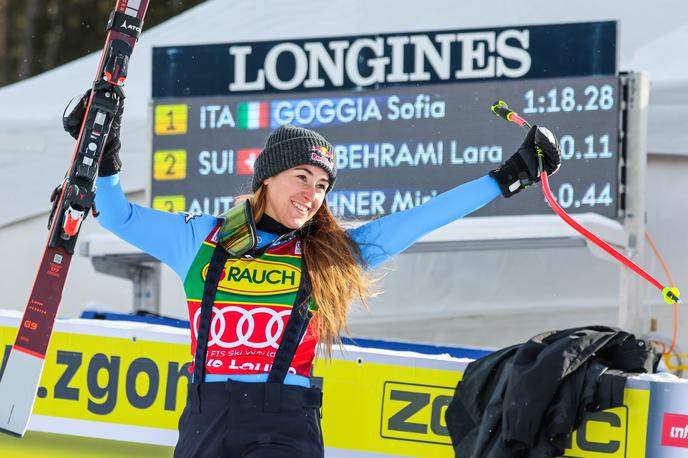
[(501, 110)]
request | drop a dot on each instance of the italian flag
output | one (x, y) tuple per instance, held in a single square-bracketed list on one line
[(253, 115)]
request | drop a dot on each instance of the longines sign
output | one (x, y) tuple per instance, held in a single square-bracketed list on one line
[(543, 51)]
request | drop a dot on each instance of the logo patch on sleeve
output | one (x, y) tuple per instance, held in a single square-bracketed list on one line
[(188, 216)]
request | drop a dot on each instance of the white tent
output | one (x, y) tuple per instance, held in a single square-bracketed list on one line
[(34, 150), (659, 57)]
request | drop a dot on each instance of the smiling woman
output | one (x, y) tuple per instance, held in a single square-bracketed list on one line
[(272, 278), (295, 195), (291, 178)]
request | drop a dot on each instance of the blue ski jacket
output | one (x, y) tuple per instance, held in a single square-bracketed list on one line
[(175, 238)]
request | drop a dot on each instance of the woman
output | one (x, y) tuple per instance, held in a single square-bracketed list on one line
[(253, 289)]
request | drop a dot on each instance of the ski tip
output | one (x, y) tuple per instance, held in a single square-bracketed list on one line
[(11, 433)]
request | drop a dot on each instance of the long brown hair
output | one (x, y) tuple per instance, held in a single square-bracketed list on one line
[(336, 269)]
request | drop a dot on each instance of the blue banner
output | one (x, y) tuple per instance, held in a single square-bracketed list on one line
[(375, 61)]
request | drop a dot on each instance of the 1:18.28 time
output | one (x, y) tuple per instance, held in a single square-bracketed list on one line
[(594, 98)]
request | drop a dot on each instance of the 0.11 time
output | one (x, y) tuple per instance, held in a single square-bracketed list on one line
[(595, 148), (594, 98)]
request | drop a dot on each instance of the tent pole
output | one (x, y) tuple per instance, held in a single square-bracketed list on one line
[(633, 315)]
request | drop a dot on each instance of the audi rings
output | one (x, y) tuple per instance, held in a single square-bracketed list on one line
[(273, 328)]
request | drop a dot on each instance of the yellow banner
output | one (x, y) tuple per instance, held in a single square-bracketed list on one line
[(46, 445), (114, 380), (399, 410), (614, 433), (391, 404)]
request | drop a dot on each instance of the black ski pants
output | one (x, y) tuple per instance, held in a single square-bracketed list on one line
[(252, 420)]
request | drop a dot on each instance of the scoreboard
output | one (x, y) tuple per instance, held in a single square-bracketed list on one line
[(399, 140)]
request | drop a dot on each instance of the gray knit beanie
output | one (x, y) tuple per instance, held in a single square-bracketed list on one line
[(289, 146)]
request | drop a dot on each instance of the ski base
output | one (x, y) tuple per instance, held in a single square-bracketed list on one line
[(11, 433), (17, 391)]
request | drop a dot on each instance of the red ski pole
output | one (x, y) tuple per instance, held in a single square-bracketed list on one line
[(670, 295)]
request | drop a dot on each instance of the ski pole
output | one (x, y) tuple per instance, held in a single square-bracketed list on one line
[(669, 294)]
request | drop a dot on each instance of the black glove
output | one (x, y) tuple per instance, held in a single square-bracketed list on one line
[(110, 163), (521, 170)]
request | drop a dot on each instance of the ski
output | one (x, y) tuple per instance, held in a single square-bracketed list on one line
[(72, 201)]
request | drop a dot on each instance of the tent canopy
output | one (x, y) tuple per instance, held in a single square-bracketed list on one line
[(34, 150)]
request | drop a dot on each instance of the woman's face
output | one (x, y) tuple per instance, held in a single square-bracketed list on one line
[(296, 194)]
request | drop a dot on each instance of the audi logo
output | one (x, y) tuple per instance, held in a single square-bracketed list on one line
[(273, 328)]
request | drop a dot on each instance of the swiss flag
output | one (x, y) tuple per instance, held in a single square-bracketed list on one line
[(245, 160)]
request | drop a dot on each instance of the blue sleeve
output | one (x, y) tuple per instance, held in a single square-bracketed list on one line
[(173, 238), (385, 237)]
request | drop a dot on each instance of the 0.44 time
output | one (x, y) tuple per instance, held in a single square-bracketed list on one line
[(557, 100), (567, 197)]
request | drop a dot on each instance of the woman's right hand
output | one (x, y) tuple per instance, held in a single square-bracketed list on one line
[(110, 164), (522, 169)]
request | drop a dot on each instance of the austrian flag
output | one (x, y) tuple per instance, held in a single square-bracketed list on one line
[(253, 115)]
